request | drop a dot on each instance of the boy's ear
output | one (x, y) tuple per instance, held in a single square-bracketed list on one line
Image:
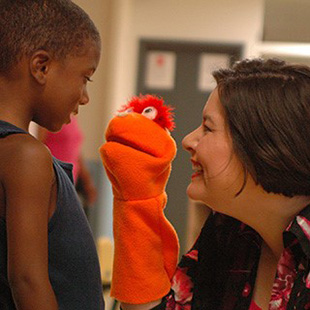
[(40, 65)]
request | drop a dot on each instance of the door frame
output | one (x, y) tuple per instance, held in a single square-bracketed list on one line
[(235, 50)]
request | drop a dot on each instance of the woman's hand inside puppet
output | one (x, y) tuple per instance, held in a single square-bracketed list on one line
[(137, 157)]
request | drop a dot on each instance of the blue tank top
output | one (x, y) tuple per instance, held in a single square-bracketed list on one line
[(73, 262)]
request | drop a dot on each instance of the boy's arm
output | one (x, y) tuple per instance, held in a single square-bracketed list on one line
[(28, 182)]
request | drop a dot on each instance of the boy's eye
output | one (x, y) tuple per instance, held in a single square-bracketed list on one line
[(88, 79)]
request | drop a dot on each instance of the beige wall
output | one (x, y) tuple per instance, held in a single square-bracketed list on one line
[(122, 23), (93, 117), (202, 20), (228, 21)]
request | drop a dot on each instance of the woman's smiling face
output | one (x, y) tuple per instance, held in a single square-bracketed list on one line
[(218, 173)]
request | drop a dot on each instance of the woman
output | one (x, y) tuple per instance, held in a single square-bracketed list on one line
[(251, 161)]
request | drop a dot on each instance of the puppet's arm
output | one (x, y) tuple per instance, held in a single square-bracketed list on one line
[(137, 157)]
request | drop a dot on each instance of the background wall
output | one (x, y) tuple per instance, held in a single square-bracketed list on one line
[(122, 23), (92, 116)]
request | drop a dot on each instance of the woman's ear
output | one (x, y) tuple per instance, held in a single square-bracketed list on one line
[(40, 65)]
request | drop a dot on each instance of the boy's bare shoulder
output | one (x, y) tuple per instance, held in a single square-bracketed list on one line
[(26, 167), (21, 152)]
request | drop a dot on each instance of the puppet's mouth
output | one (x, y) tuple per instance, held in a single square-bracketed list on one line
[(134, 145)]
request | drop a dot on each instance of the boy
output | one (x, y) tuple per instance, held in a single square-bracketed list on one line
[(49, 50)]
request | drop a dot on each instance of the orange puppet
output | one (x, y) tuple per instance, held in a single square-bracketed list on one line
[(137, 157)]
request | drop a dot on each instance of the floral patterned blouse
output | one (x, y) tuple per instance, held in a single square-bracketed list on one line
[(219, 272)]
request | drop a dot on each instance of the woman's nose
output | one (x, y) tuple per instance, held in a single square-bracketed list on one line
[(190, 141)]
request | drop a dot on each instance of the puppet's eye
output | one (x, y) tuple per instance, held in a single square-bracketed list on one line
[(150, 112)]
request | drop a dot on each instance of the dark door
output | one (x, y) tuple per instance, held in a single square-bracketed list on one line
[(188, 98)]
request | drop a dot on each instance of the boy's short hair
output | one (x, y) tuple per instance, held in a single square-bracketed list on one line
[(267, 106), (57, 26)]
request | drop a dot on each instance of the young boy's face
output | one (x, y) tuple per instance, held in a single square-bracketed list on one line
[(66, 87)]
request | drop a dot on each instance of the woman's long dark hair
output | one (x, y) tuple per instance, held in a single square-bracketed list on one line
[(267, 105)]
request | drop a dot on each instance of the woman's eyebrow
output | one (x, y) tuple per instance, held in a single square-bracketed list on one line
[(207, 117)]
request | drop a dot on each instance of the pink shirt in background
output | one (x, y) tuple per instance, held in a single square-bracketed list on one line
[(66, 144)]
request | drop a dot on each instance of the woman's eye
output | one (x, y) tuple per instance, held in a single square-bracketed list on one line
[(150, 112), (206, 128)]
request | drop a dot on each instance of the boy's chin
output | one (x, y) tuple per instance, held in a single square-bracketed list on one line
[(55, 127)]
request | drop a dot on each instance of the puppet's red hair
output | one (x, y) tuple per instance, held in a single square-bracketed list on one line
[(165, 116)]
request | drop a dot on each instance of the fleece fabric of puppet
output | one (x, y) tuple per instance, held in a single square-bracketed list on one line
[(137, 157)]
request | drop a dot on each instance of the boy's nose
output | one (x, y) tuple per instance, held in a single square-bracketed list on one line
[(84, 99)]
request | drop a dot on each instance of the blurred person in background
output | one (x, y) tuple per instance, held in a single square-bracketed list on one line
[(66, 145)]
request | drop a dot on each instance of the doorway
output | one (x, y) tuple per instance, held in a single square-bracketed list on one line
[(176, 71)]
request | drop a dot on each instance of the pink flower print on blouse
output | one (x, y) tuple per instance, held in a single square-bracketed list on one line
[(247, 290), (307, 281), (304, 224), (307, 306), (173, 305), (193, 255), (182, 286), (284, 282)]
